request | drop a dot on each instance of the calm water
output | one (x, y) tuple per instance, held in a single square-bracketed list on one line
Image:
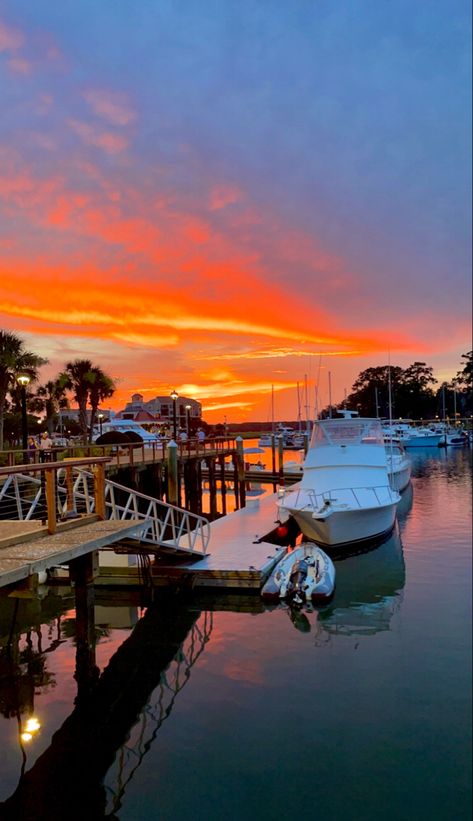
[(225, 709)]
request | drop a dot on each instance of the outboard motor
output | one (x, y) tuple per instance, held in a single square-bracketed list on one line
[(297, 580)]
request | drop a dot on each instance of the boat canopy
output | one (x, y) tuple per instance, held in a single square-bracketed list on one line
[(347, 432)]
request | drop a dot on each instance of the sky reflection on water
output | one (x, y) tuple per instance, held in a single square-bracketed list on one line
[(228, 708)]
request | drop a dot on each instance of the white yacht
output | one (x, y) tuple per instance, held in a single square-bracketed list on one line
[(412, 437), (125, 426), (344, 495)]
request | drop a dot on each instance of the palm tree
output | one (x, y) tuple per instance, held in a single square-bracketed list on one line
[(102, 388), (52, 398), (13, 360), (77, 377), (88, 383)]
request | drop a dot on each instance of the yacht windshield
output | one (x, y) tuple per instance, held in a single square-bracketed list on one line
[(347, 432)]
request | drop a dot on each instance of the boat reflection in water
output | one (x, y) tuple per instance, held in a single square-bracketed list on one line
[(368, 592)]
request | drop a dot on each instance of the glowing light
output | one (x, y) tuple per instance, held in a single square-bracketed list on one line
[(32, 725)]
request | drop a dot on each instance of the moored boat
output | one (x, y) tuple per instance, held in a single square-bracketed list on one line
[(344, 495), (303, 576)]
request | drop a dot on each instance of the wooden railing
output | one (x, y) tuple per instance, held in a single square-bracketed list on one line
[(124, 454), (42, 500)]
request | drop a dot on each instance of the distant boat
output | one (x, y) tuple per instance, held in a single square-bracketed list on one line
[(344, 495), (412, 437), (125, 425)]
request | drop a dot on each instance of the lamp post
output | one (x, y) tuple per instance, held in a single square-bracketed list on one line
[(174, 396), (100, 422), (23, 380), (188, 420)]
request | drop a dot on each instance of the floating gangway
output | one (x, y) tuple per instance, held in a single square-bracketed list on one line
[(54, 513)]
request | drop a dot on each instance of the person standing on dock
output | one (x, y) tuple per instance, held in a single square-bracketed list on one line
[(45, 446), (201, 435)]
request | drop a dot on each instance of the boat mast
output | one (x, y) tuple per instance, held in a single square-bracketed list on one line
[(330, 394), (444, 415), (299, 417), (307, 406), (390, 403)]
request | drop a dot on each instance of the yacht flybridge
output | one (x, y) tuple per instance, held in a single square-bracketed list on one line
[(344, 495)]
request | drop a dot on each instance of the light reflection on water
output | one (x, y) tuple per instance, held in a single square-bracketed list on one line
[(226, 708)]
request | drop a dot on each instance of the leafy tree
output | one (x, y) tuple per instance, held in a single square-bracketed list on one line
[(14, 359), (463, 383), (87, 383), (77, 378), (416, 399), (102, 388), (52, 398), (371, 386)]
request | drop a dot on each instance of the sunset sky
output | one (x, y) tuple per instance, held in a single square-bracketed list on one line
[(218, 196)]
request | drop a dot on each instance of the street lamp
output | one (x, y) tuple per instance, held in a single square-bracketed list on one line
[(23, 380), (174, 396), (188, 420), (100, 422)]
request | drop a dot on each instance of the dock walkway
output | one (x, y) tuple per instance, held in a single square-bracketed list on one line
[(236, 558), (21, 559)]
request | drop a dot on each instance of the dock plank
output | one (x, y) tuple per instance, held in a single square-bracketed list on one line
[(26, 558), (236, 557)]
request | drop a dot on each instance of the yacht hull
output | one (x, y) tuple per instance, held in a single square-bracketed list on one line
[(427, 441), (400, 479), (345, 527)]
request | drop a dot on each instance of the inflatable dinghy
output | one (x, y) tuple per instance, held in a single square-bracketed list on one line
[(305, 575)]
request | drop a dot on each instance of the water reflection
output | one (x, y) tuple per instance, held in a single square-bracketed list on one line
[(113, 724), (368, 592)]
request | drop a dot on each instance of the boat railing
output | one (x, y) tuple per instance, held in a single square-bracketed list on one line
[(309, 499)]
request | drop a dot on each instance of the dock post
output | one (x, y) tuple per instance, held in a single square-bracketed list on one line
[(50, 480), (223, 486), (172, 472), (241, 472), (83, 571), (99, 490), (212, 489)]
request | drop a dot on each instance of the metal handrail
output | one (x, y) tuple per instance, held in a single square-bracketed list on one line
[(167, 524), (317, 500)]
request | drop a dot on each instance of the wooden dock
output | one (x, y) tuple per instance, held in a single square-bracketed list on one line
[(30, 550), (238, 556)]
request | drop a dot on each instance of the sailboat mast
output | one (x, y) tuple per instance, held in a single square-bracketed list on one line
[(330, 394), (299, 417), (390, 403), (306, 402)]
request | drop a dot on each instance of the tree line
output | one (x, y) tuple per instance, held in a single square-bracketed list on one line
[(411, 393), (81, 382)]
